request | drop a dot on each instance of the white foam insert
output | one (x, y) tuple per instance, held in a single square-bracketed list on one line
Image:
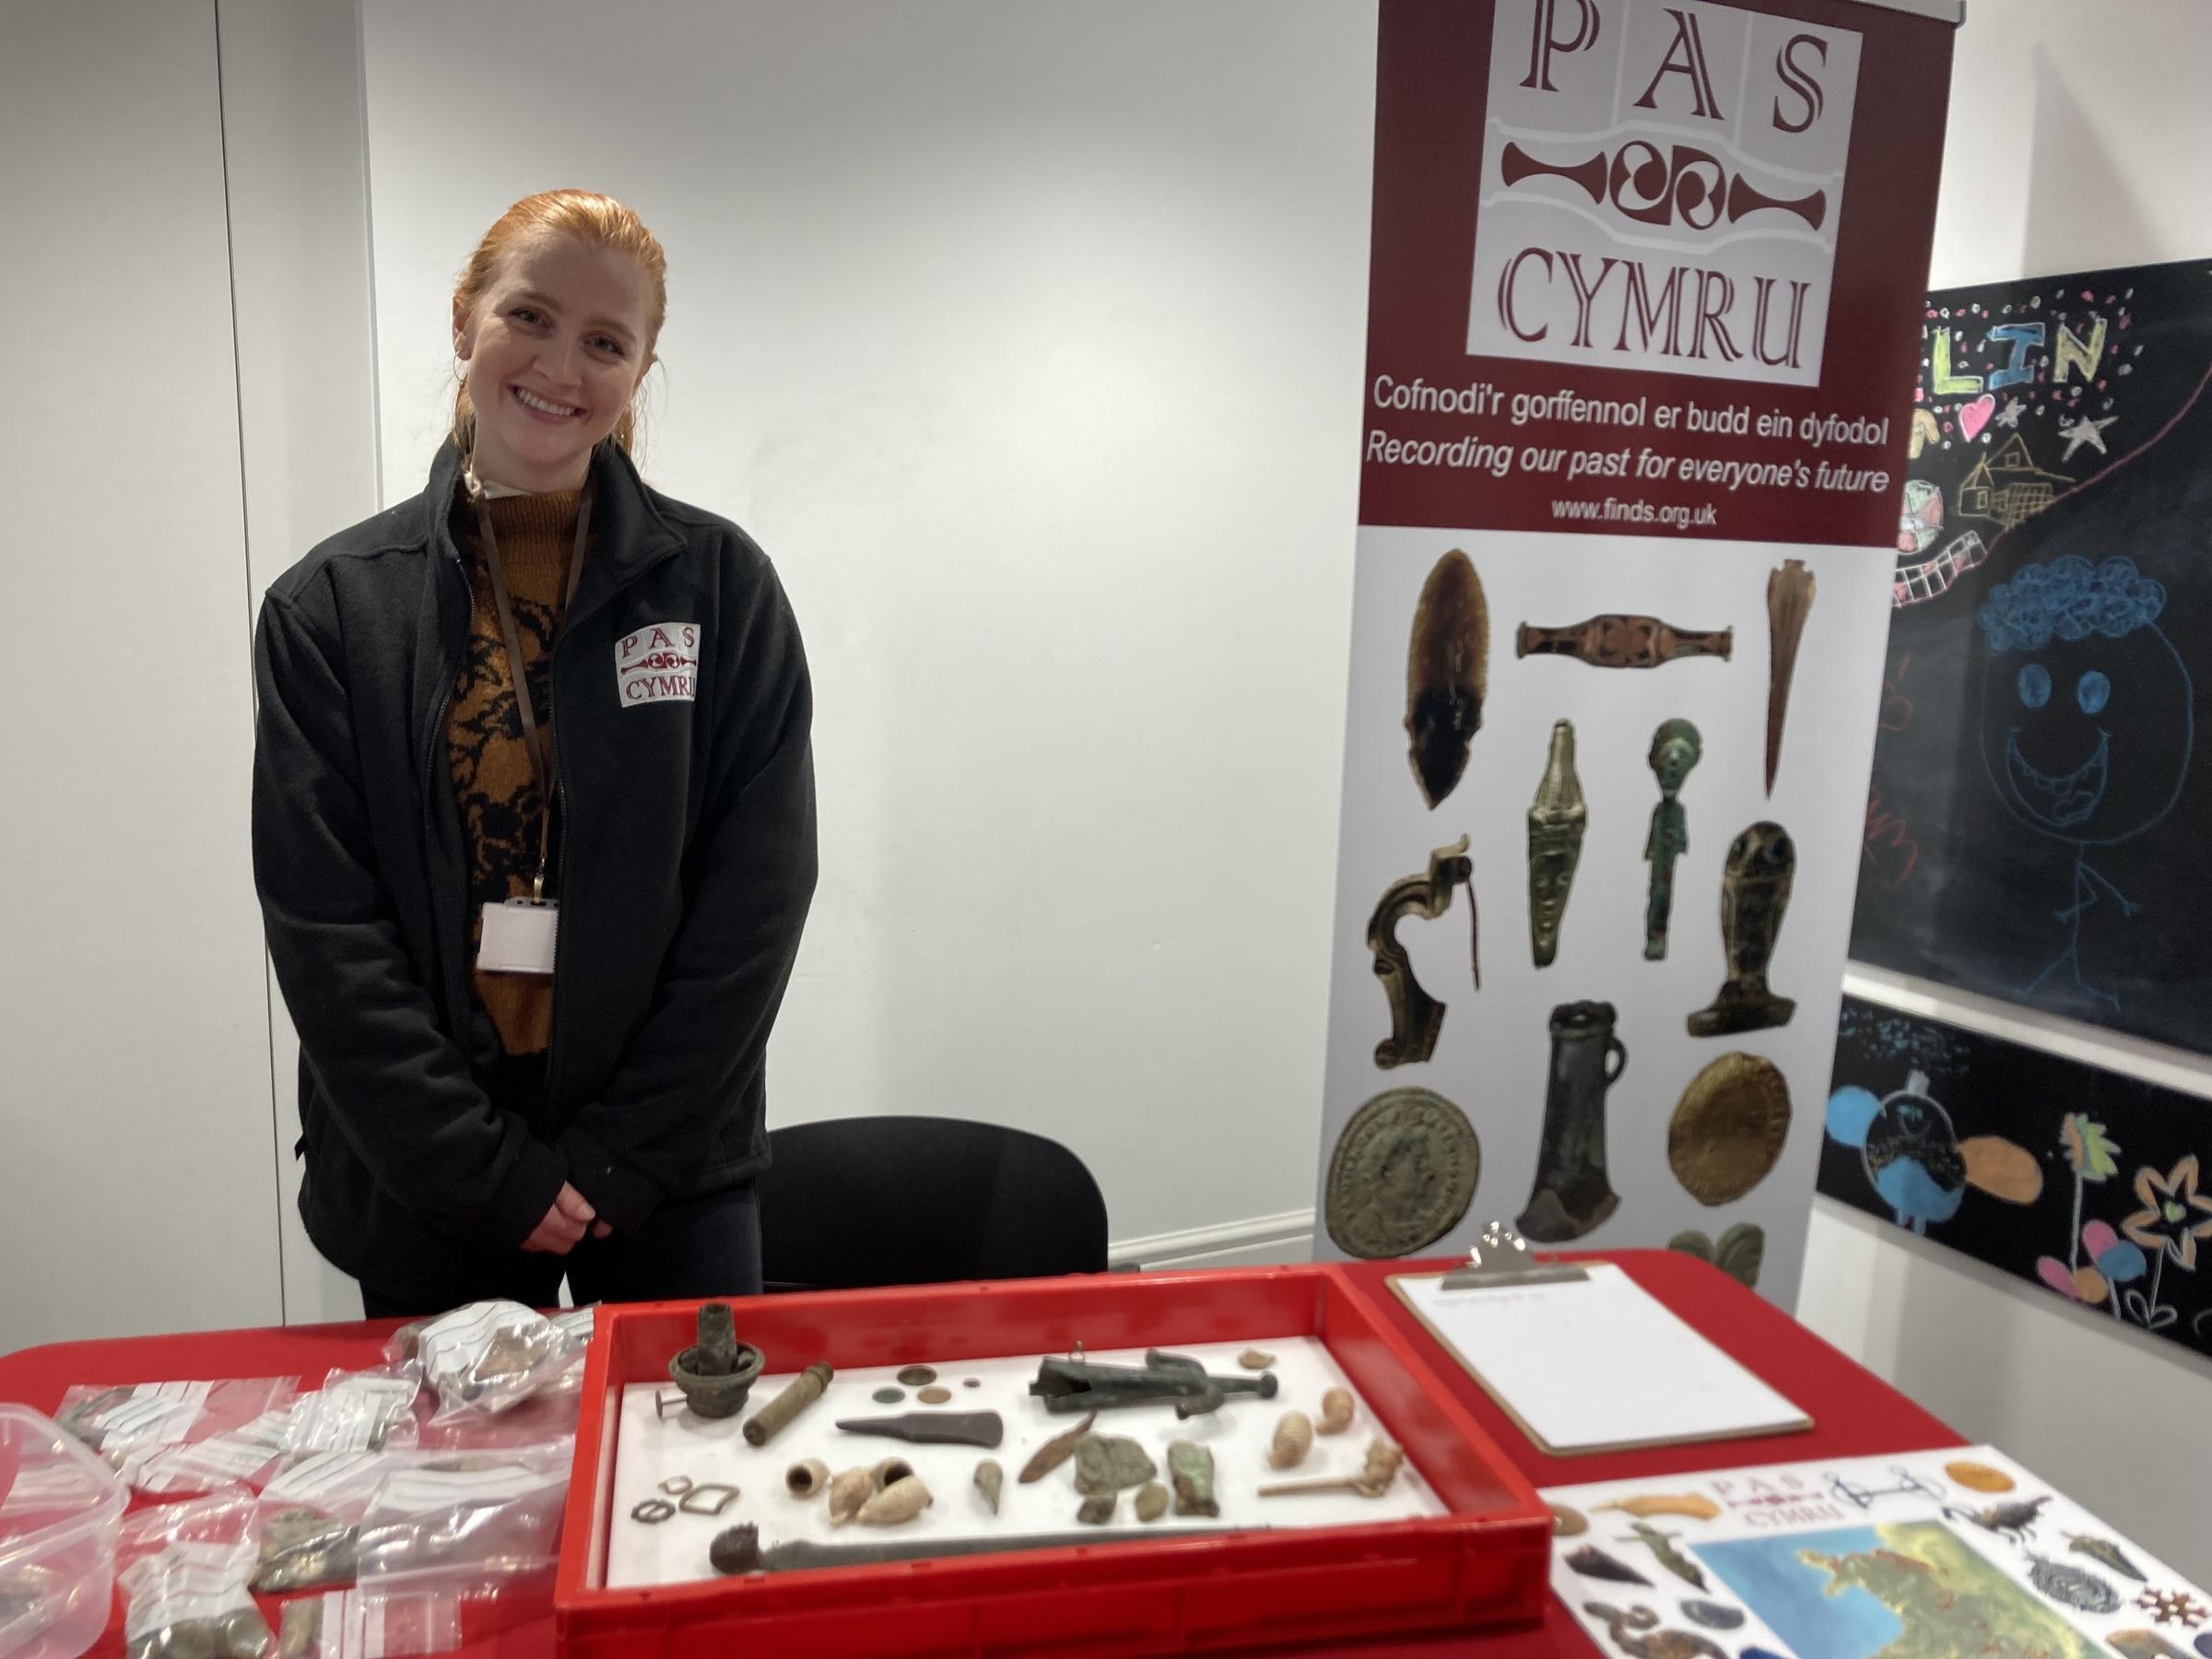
[(649, 1449)]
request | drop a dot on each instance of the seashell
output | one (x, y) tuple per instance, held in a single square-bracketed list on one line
[(989, 1480), (807, 1479), (1293, 1439), (1098, 1509), (1256, 1359), (1567, 1522), (903, 1500), (1336, 1411), (1712, 1615), (852, 1489), (889, 1470), (1152, 1503)]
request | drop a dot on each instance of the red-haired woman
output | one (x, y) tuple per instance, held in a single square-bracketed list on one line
[(533, 823)]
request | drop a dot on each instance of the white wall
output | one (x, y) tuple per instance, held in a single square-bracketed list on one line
[(135, 1181), (2079, 137), (299, 235)]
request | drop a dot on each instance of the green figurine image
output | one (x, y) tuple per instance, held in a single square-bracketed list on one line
[(1676, 749)]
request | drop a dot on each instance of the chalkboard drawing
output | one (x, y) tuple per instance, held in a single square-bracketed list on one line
[(1921, 580), (2086, 722), (1676, 749), (1915, 1161), (1790, 590), (2008, 488), (1415, 1018), (2081, 429), (2173, 1216), (1447, 664), (1755, 892), (1922, 516), (1557, 818)]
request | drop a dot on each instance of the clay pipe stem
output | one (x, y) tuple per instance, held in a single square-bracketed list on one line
[(799, 1393)]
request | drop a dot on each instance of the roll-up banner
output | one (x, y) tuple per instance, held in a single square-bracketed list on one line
[(1643, 321)]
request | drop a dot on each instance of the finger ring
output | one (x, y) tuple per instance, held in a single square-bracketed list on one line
[(653, 1510)]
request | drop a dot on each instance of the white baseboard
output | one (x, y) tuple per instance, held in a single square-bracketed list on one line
[(1259, 1241)]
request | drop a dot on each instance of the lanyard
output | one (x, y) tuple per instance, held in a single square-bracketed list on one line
[(538, 743)]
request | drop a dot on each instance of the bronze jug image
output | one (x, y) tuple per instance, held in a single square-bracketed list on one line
[(1571, 1194)]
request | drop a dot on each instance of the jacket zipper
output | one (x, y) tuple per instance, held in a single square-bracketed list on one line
[(561, 795), (430, 828)]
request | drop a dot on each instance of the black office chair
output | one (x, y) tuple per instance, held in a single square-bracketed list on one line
[(855, 1202)]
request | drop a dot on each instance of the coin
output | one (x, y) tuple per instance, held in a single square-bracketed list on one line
[(888, 1395), (1402, 1175), (1727, 1132), (934, 1396), (913, 1376)]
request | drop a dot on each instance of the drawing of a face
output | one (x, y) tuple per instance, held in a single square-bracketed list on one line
[(2086, 717)]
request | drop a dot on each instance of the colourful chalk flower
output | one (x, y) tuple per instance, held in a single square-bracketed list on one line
[(2174, 1214)]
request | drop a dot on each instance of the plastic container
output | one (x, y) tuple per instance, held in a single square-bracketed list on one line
[(1484, 1564), (61, 1508)]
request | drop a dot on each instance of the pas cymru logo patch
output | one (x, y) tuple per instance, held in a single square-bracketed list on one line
[(658, 664)]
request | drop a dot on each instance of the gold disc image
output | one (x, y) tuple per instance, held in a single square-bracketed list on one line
[(1727, 1133)]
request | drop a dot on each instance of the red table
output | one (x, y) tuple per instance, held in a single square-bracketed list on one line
[(1854, 1413)]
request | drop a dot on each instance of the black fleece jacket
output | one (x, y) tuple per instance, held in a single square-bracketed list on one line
[(686, 823)]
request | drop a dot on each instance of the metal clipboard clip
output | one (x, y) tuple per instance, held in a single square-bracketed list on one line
[(1502, 1258)]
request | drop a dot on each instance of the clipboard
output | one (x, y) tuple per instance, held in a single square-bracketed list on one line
[(1593, 1363)]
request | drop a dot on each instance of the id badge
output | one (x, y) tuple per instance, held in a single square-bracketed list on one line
[(518, 937)]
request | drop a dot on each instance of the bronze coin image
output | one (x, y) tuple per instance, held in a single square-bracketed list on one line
[(1979, 1477), (1727, 1133), (888, 1395), (934, 1396), (1402, 1176), (913, 1376)]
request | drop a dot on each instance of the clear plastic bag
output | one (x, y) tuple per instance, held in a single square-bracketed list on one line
[(355, 1624), (357, 1411), (130, 1424), (489, 1356), (473, 1527), (244, 1454), (185, 1578)]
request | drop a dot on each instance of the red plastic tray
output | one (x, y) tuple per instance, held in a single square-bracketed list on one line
[(1483, 1564)]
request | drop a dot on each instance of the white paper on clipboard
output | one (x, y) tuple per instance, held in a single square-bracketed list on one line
[(1597, 1364)]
